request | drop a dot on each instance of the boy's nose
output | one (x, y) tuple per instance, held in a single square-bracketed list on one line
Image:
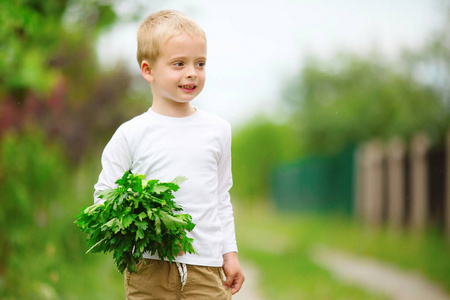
[(191, 73)]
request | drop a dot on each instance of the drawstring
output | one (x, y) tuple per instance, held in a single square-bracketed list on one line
[(224, 277), (182, 270)]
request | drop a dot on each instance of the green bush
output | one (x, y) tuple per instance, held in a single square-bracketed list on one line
[(257, 148), (42, 251)]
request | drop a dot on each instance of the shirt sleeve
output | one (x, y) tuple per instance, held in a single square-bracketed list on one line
[(116, 160), (225, 183)]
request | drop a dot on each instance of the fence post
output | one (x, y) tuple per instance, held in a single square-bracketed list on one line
[(419, 182), (373, 183), (447, 188), (359, 182), (395, 183)]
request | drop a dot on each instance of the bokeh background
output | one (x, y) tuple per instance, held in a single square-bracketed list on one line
[(340, 116)]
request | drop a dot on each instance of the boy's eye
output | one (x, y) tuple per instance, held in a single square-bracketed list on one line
[(201, 64), (178, 64)]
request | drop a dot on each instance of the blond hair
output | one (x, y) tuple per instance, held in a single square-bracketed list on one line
[(160, 27)]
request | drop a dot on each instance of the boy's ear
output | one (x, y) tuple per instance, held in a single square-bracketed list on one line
[(146, 71)]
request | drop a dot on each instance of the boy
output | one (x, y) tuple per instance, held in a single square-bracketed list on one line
[(175, 138)]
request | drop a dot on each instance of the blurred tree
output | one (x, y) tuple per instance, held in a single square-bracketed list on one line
[(257, 147), (431, 65), (355, 99), (50, 76), (33, 33)]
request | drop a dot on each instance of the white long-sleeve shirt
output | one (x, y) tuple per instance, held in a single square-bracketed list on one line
[(197, 147)]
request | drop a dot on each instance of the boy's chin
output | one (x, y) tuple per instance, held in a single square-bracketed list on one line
[(186, 99)]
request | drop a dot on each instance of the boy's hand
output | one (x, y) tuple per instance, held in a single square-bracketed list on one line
[(180, 253), (233, 272)]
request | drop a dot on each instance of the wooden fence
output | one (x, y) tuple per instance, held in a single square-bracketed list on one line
[(404, 186)]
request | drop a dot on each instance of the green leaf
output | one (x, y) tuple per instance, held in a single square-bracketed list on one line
[(106, 194), (137, 186), (157, 200), (189, 225), (139, 233), (186, 245), (179, 180), (157, 225), (92, 209), (96, 244), (114, 224), (142, 215), (171, 222), (123, 180), (141, 224), (127, 220), (160, 188)]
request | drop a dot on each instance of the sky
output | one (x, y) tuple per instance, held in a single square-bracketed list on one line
[(255, 47)]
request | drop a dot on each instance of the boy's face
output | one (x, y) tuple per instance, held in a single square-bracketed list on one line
[(178, 74)]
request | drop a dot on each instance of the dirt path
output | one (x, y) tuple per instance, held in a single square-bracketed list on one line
[(382, 278), (249, 290)]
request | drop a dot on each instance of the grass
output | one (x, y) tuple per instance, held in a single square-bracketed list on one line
[(280, 244)]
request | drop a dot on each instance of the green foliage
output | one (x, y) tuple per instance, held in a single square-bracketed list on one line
[(50, 75), (26, 169), (42, 251), (357, 99), (23, 35), (31, 34), (137, 217), (257, 148)]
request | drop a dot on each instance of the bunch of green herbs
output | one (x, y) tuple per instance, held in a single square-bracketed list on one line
[(137, 217)]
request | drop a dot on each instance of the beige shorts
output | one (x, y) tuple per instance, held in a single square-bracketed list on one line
[(161, 280)]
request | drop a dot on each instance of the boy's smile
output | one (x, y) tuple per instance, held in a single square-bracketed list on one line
[(188, 88), (178, 74)]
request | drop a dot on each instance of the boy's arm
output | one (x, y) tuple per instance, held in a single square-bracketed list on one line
[(116, 160), (225, 209), (231, 266)]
